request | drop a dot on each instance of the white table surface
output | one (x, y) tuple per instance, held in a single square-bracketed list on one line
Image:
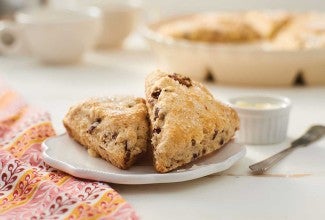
[(295, 189)]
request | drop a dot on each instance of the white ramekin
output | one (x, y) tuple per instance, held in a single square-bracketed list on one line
[(262, 125)]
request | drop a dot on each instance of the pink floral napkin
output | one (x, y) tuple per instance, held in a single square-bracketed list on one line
[(29, 188)]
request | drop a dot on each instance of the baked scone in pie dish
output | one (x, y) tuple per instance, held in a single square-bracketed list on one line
[(117, 129), (179, 122), (221, 27), (231, 27), (306, 31), (242, 48), (279, 28), (187, 123)]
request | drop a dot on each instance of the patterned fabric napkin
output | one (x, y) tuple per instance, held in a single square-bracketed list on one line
[(30, 189)]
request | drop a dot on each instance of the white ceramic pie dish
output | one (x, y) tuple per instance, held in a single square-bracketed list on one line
[(246, 64)]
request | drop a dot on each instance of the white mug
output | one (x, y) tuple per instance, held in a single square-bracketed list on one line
[(119, 19), (55, 36)]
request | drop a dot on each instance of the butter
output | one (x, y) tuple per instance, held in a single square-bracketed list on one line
[(257, 105)]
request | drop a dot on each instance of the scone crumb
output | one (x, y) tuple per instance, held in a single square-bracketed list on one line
[(92, 152)]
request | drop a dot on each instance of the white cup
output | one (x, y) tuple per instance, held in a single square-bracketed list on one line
[(55, 36), (119, 19)]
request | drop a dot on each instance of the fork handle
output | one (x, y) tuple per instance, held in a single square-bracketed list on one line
[(264, 165)]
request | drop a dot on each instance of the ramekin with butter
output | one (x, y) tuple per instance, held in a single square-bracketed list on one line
[(263, 119)]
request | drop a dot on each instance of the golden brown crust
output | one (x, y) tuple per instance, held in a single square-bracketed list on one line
[(223, 28), (187, 122), (275, 29), (279, 29), (115, 128)]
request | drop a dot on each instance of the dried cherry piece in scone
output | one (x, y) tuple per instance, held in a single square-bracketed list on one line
[(155, 94), (127, 152), (183, 80), (156, 130), (93, 125), (215, 134)]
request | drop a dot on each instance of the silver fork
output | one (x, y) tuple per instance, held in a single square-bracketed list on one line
[(313, 134)]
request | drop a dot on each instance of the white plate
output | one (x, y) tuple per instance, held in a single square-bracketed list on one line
[(65, 154)]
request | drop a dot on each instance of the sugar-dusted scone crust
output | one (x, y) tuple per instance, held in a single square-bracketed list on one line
[(115, 128), (187, 122)]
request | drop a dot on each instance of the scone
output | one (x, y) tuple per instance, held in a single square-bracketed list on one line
[(187, 122), (267, 23), (114, 128), (305, 31), (211, 27)]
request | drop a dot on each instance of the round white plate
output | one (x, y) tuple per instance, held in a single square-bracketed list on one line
[(65, 154)]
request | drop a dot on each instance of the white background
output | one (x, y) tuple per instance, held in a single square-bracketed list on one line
[(170, 7), (231, 195)]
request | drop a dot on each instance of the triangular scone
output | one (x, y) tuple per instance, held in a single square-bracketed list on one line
[(187, 122), (117, 129)]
